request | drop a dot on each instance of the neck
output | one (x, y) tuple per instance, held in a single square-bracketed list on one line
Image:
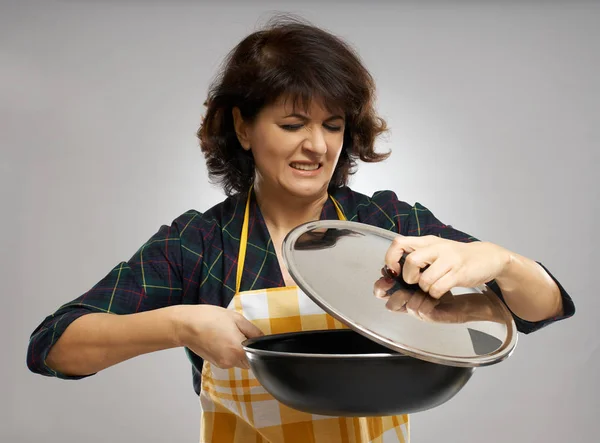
[(282, 213)]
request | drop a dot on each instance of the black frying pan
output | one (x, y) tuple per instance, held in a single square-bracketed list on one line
[(342, 373)]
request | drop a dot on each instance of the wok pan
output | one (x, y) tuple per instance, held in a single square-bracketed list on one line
[(342, 373), (385, 362)]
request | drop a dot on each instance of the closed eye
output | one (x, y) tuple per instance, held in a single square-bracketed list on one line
[(333, 128), (291, 128)]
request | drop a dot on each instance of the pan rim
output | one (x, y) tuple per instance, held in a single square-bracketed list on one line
[(247, 346), (306, 355)]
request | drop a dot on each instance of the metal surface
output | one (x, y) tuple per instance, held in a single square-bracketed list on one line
[(337, 264)]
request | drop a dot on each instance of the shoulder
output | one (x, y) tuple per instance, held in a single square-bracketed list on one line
[(206, 225), (382, 208), (206, 248)]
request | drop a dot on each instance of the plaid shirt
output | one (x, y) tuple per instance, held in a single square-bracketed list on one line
[(193, 261)]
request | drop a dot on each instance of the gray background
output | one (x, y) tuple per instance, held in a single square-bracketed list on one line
[(494, 110)]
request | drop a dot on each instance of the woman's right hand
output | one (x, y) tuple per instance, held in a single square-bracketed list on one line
[(215, 334)]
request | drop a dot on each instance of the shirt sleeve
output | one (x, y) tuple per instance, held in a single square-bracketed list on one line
[(151, 279), (417, 220)]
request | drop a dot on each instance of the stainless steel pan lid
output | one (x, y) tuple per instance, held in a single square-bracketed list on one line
[(337, 263)]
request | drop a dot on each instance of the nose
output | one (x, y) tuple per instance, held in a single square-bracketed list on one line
[(316, 142)]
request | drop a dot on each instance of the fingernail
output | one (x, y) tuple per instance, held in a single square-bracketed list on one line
[(389, 273)]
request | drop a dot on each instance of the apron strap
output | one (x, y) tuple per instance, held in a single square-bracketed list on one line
[(244, 237), (243, 244), (338, 209)]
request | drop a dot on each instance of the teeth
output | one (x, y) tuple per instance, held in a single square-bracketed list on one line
[(305, 167)]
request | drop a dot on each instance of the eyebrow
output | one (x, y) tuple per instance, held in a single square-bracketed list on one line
[(304, 117)]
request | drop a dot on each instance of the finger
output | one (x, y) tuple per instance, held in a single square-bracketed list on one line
[(247, 328), (382, 286), (405, 244), (398, 299), (443, 285), (415, 261), (393, 254), (244, 363), (433, 273), (402, 244), (238, 356)]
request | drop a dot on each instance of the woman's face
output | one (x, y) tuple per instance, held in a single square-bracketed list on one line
[(295, 151)]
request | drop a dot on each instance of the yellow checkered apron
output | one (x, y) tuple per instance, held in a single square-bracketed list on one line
[(235, 408)]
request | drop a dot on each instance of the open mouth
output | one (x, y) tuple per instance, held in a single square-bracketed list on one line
[(306, 166)]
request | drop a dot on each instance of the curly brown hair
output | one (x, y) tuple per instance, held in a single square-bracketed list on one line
[(293, 59)]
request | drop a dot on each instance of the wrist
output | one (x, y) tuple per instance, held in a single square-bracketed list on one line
[(175, 319), (506, 262)]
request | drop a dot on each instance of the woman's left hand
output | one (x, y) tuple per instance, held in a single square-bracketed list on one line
[(451, 263)]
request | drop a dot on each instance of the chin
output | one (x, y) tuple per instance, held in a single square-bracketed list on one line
[(313, 190)]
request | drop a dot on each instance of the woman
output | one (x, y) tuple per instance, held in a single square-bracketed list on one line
[(286, 121)]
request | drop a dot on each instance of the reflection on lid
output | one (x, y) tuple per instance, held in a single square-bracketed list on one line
[(322, 238), (483, 343)]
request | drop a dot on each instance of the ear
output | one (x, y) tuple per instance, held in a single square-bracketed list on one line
[(242, 129)]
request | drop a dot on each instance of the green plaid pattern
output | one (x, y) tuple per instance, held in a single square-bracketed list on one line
[(193, 260)]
